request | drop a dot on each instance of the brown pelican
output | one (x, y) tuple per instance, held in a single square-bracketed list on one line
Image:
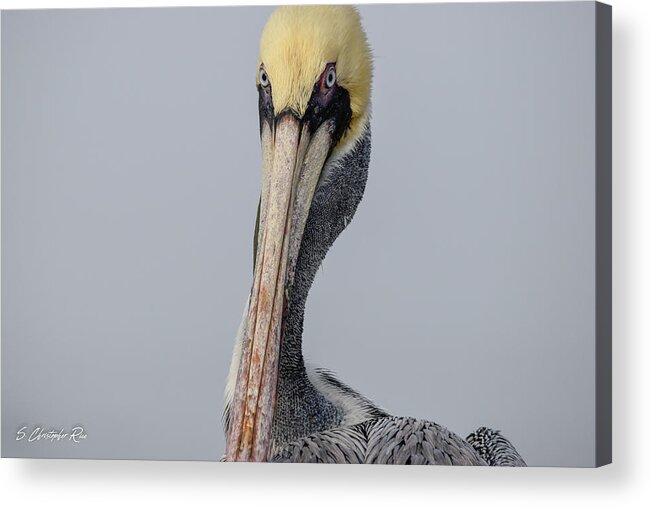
[(314, 84)]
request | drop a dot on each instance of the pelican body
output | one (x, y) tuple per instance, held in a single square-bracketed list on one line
[(314, 86)]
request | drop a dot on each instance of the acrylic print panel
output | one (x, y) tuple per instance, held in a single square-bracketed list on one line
[(470, 290)]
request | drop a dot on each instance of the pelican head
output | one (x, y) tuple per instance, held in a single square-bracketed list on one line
[(314, 82)]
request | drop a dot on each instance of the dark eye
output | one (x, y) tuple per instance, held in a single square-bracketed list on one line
[(263, 77), (331, 78)]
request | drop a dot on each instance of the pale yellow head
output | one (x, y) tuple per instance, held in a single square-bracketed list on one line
[(299, 41)]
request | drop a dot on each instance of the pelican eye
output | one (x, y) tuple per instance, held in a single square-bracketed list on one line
[(331, 78), (263, 77)]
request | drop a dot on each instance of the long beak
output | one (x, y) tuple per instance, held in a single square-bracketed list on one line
[(292, 163)]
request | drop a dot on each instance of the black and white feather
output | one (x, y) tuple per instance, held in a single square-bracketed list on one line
[(494, 448)]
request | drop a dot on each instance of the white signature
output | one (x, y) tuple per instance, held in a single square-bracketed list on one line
[(76, 434)]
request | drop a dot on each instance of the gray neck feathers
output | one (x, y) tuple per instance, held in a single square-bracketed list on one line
[(301, 409)]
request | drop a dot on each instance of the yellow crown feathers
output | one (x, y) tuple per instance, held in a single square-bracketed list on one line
[(299, 41)]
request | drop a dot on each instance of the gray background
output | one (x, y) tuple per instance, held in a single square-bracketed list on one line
[(463, 290)]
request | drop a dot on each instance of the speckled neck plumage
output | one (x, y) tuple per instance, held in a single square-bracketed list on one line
[(301, 408)]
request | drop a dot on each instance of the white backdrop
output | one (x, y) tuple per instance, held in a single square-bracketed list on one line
[(30, 482)]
